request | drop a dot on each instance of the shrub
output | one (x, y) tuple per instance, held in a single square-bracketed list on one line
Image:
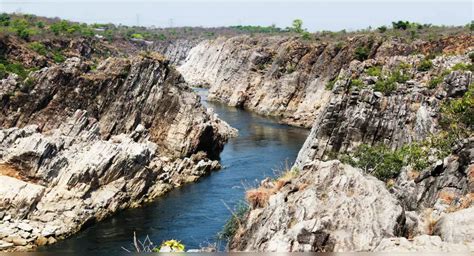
[(379, 161), (306, 35), (38, 47), (58, 57), (162, 37), (382, 29), (361, 53), (137, 36), (330, 85), (412, 34), (374, 71), (403, 25), (471, 56), (457, 115), (60, 27), (357, 83), (21, 28), (386, 86), (87, 32), (400, 76), (40, 24), (235, 221), (18, 69), (435, 81), (463, 67), (3, 71), (425, 65), (4, 19)]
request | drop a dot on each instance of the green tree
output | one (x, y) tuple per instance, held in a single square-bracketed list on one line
[(4, 19), (403, 25), (382, 29), (298, 26)]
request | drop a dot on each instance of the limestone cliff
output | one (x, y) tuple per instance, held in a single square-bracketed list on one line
[(286, 76), (79, 144), (393, 96), (329, 206)]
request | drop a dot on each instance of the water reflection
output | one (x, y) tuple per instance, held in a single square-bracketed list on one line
[(195, 213)]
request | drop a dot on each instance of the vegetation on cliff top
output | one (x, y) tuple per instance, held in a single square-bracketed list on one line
[(457, 123)]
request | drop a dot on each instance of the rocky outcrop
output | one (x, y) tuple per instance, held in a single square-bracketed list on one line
[(120, 95), (177, 50), (445, 187), (423, 243), (286, 77), (328, 207), (85, 143), (362, 115), (457, 227)]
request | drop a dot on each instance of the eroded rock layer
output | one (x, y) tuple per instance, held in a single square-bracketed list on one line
[(78, 144), (329, 206), (286, 77)]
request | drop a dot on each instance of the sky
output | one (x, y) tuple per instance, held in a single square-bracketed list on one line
[(317, 15)]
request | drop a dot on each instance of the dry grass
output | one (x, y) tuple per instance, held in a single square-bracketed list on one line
[(10, 171), (259, 197), (446, 196), (14, 172), (465, 201), (430, 221), (413, 174)]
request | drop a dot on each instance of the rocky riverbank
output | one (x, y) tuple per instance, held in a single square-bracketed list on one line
[(79, 144), (416, 110), (330, 206)]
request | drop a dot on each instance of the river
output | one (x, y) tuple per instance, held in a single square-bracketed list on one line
[(196, 213)]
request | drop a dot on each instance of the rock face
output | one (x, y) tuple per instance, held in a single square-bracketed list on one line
[(354, 116), (329, 207), (446, 186), (286, 77), (423, 243), (84, 144), (121, 95), (177, 50)]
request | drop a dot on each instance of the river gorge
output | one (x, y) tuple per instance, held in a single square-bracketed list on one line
[(196, 213), (334, 142)]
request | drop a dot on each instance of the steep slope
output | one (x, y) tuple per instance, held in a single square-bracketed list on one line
[(366, 90), (78, 144), (286, 76), (329, 206)]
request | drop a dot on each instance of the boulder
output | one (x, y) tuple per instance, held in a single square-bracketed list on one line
[(456, 227), (329, 206), (423, 243)]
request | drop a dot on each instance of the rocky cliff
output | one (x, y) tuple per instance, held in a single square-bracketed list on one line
[(329, 206), (286, 76), (393, 96), (78, 144)]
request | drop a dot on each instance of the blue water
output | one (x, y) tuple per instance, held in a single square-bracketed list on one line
[(197, 212)]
